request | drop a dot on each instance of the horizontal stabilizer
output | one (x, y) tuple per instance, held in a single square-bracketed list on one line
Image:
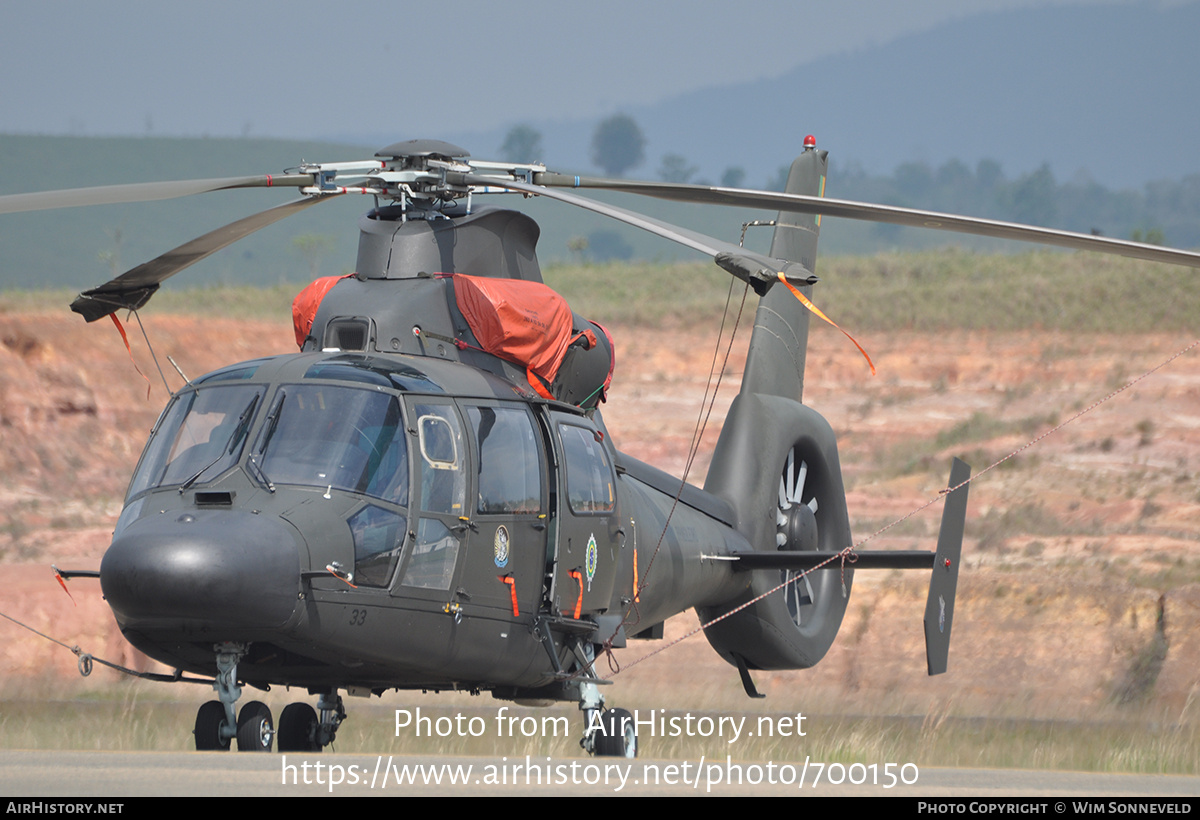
[(871, 559)]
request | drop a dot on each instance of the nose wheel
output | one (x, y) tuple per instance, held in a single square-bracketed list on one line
[(255, 729), (216, 726)]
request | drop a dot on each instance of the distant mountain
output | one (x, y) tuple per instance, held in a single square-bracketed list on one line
[(1110, 91)]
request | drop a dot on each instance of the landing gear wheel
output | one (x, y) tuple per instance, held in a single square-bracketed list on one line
[(208, 728), (298, 729), (620, 735), (256, 731)]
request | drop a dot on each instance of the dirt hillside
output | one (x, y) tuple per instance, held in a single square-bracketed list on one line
[(1081, 584)]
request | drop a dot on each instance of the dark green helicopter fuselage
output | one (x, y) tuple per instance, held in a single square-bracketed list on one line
[(396, 521)]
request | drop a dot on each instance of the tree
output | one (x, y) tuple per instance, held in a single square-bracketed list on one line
[(675, 168), (112, 257), (618, 145), (608, 246), (578, 246), (988, 174), (733, 177), (523, 143), (1035, 198), (914, 179), (779, 181)]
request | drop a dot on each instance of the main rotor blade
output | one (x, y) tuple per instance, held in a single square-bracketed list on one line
[(143, 192), (910, 217), (757, 270), (685, 237), (134, 288)]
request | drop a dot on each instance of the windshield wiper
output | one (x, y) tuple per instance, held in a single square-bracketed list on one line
[(260, 473), (272, 423), (265, 439), (234, 438)]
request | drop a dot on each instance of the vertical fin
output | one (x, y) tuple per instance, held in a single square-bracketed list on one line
[(939, 608), (775, 363)]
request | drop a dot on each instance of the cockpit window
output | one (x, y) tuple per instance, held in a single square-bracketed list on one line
[(354, 367), (378, 538), (241, 372), (200, 436), (336, 437)]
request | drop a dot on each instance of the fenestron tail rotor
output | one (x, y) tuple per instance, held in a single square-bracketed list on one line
[(791, 493), (796, 526)]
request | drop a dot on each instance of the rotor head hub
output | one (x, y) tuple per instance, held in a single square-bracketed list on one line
[(800, 528)]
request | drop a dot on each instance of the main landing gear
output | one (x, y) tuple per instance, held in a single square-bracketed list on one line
[(301, 728), (607, 732)]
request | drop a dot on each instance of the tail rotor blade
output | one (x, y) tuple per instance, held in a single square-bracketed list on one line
[(801, 476)]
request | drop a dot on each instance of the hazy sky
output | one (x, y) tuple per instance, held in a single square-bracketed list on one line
[(309, 68)]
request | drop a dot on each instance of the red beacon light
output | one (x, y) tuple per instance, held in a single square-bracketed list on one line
[(810, 142)]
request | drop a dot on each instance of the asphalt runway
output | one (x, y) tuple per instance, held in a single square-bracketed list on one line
[(228, 774)]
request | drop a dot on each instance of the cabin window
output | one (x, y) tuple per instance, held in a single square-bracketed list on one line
[(431, 564), (509, 468), (440, 443), (589, 475)]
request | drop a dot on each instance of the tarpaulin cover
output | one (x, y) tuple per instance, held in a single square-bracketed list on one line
[(304, 306), (521, 321)]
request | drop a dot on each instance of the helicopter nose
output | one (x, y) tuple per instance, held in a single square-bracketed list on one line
[(215, 566)]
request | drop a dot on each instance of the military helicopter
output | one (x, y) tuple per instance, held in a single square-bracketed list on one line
[(425, 496)]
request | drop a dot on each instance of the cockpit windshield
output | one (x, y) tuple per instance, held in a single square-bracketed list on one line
[(201, 435), (317, 435), (333, 437)]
